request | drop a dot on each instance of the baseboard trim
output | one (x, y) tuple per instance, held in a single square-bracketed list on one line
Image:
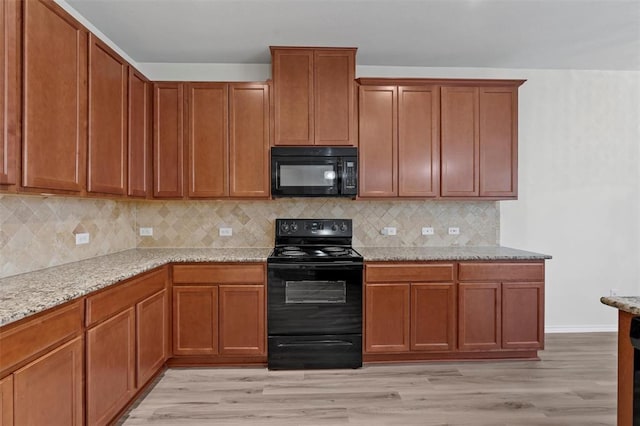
[(581, 329)]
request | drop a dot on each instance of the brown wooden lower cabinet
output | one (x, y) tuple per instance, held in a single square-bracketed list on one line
[(522, 315), (110, 367), (242, 325), (386, 318), (152, 331), (195, 320), (433, 317), (6, 401), (479, 311), (48, 391)]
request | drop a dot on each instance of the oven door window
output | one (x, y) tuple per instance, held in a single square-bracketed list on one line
[(308, 175), (315, 292)]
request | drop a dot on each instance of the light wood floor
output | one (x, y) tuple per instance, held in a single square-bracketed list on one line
[(573, 384)]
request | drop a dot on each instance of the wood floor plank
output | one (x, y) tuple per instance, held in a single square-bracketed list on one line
[(573, 384)]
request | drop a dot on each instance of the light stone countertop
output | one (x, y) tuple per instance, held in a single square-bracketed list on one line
[(33, 292), (630, 304), (446, 253), (30, 293)]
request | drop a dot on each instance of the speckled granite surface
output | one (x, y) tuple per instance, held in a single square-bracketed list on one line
[(26, 294), (629, 304), (447, 253), (33, 292)]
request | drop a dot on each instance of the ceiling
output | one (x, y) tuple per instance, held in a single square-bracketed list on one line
[(543, 34)]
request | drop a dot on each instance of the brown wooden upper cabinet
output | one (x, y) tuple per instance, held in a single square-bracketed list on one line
[(107, 153), (9, 92), (479, 141), (55, 99), (399, 140), (314, 96), (168, 140), (139, 141), (228, 140)]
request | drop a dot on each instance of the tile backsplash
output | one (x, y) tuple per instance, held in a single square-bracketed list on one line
[(37, 232)]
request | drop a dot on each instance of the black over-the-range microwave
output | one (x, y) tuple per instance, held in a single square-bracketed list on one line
[(314, 171)]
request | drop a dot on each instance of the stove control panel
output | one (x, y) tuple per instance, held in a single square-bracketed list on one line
[(314, 227)]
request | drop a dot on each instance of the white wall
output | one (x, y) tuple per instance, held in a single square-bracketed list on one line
[(579, 178)]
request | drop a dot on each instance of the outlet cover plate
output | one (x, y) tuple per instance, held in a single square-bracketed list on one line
[(225, 232), (146, 232), (82, 238), (427, 230), (454, 230)]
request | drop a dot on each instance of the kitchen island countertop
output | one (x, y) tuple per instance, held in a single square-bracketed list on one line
[(630, 304)]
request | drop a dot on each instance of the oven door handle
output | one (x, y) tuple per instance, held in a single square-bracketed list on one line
[(316, 265), (315, 343)]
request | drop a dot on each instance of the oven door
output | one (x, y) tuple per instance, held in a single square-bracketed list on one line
[(314, 299), (304, 177)]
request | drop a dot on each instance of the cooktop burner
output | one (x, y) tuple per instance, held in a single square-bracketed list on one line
[(314, 240)]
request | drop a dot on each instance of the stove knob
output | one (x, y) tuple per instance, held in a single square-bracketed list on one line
[(294, 227), (334, 227), (284, 227), (343, 227)]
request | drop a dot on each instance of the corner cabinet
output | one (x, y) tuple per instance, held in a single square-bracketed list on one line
[(457, 310), (55, 99), (127, 342), (10, 92), (314, 96), (219, 313), (168, 140)]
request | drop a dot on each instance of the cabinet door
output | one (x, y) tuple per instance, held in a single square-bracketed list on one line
[(195, 320), (168, 140), (419, 141), (433, 317), (479, 316), (107, 156), (152, 332), (6, 401), (459, 142), (9, 91), (293, 96), (139, 157), (499, 142), (378, 141), (386, 318), (242, 321), (334, 74), (208, 139), (55, 98), (110, 367), (49, 391), (249, 140), (522, 315)]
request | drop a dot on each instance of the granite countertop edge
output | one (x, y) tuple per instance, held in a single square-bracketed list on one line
[(630, 304), (34, 292)]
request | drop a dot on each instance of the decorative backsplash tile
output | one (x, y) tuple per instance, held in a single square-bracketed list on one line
[(37, 232), (196, 223)]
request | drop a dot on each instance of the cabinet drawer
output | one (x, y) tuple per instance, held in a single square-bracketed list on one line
[(112, 301), (218, 274), (18, 344), (382, 273), (497, 271)]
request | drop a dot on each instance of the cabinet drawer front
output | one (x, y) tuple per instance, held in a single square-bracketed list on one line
[(218, 274), (18, 344), (497, 271), (408, 273), (107, 303)]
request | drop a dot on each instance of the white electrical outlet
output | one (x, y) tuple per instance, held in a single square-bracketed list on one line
[(454, 230), (427, 230), (225, 232), (146, 232), (614, 292), (82, 238), (388, 231)]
